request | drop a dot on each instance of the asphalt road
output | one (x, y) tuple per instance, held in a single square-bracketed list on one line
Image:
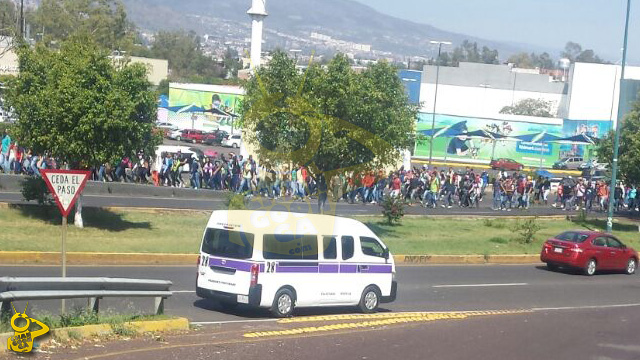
[(430, 288)]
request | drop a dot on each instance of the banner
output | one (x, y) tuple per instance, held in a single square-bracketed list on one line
[(463, 149)]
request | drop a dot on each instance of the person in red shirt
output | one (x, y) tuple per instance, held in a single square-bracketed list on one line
[(395, 186), (367, 184)]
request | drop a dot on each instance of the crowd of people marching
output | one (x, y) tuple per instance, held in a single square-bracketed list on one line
[(419, 186)]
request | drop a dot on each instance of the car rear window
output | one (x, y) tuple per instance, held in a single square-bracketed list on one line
[(290, 247), (229, 244), (572, 236)]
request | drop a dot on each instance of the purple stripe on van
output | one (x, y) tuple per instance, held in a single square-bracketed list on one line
[(348, 269), (233, 264), (329, 268), (376, 269), (297, 269)]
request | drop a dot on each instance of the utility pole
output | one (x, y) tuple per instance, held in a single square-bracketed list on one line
[(435, 97), (616, 144), (22, 19)]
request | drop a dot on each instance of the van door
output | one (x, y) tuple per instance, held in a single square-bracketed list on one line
[(374, 268), (329, 270), (225, 262)]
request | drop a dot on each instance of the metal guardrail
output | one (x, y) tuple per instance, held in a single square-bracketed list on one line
[(94, 289)]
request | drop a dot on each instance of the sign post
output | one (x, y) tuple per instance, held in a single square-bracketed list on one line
[(66, 186)]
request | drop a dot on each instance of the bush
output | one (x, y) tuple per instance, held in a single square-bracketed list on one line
[(527, 229), (495, 223), (393, 209), (34, 188), (236, 202)]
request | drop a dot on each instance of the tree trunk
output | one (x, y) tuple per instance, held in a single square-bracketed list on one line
[(78, 217)]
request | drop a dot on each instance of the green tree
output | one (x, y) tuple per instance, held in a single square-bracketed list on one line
[(529, 107), (629, 159), (105, 21), (8, 18), (575, 53), (329, 118), (76, 105)]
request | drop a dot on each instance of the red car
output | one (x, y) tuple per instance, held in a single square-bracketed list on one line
[(589, 251), (194, 136), (506, 164)]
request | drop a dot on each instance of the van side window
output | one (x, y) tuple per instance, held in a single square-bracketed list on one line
[(290, 247), (329, 247), (371, 247), (347, 247)]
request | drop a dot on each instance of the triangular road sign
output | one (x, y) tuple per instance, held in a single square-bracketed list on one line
[(66, 186)]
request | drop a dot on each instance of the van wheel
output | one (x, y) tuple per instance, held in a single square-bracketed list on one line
[(283, 303), (369, 300)]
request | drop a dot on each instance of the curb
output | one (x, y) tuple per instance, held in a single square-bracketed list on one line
[(87, 331), (125, 259)]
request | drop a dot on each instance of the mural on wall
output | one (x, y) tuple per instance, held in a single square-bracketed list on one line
[(205, 109), (448, 146)]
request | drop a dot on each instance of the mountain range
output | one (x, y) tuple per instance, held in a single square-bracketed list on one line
[(294, 20)]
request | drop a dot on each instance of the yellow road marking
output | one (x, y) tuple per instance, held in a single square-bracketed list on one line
[(373, 320)]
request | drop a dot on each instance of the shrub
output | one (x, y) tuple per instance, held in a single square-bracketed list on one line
[(34, 188), (236, 202), (527, 229), (495, 223), (393, 209)]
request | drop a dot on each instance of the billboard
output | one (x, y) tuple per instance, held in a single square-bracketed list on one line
[(464, 149), (204, 106)]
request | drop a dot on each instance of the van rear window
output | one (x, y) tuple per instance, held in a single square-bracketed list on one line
[(290, 247), (229, 244)]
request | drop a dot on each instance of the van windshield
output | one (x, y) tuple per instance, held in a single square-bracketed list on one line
[(229, 244)]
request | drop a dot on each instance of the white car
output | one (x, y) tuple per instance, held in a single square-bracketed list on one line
[(175, 135), (166, 125), (233, 141)]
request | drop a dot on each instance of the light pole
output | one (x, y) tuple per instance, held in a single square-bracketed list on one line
[(616, 143), (435, 97)]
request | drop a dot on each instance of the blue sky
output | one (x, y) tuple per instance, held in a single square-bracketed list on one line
[(595, 24)]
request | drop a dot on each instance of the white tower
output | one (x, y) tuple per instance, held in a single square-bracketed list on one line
[(257, 12)]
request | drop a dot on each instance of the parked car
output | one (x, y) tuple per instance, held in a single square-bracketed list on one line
[(166, 128), (233, 141), (592, 164), (192, 135), (568, 163), (589, 251), (215, 137), (506, 164), (175, 135), (594, 175)]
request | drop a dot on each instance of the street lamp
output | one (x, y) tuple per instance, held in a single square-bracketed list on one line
[(435, 97), (616, 143)]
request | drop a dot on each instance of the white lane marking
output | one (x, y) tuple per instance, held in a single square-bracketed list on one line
[(231, 322), (183, 291), (586, 307), (479, 285)]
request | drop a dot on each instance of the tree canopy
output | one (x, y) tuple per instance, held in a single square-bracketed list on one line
[(575, 53), (76, 105), (530, 107), (629, 159), (469, 52), (105, 21), (329, 118), (525, 60)]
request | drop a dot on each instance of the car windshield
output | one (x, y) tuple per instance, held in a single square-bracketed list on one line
[(572, 236), (229, 244)]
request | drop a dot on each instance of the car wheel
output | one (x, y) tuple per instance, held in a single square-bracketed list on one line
[(632, 265), (178, 138), (193, 141), (370, 300), (591, 267), (283, 303)]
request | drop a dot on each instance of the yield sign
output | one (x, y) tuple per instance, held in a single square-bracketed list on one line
[(66, 186)]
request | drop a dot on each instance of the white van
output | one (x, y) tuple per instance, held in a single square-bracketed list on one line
[(282, 260)]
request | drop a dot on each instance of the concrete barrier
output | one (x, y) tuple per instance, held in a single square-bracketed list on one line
[(13, 183)]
